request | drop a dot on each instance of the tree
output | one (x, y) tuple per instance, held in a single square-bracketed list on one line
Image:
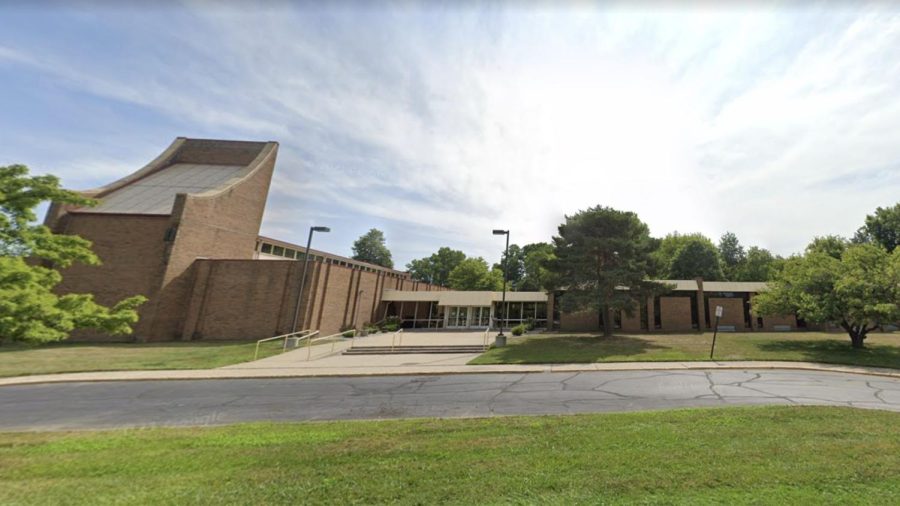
[(882, 228), (831, 245), (473, 274), (370, 248), (598, 251), (758, 265), (513, 264), (687, 256), (436, 268), (731, 253), (858, 291), (537, 259), (29, 310), (696, 259)]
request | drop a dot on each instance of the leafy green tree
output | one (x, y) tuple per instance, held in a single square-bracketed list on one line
[(597, 251), (696, 259), (731, 253), (858, 292), (436, 268), (473, 274), (758, 265), (370, 248), (537, 259), (513, 264), (687, 256), (831, 245), (882, 228), (29, 309)]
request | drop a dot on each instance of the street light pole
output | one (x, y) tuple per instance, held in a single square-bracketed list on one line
[(501, 337), (303, 277)]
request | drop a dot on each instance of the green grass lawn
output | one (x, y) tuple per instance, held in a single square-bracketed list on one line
[(758, 455), (882, 350), (19, 359)]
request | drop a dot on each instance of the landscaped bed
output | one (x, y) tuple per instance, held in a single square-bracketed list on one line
[(758, 455), (882, 350), (20, 359)]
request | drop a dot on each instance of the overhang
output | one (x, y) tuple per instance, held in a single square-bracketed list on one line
[(460, 298)]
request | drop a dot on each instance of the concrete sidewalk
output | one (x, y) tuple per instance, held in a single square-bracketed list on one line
[(380, 365)]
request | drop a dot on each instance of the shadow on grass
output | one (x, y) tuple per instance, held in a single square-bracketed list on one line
[(835, 351), (568, 349)]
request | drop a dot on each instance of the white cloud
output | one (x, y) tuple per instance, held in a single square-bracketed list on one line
[(443, 124)]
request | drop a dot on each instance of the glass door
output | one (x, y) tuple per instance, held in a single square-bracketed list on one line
[(458, 317), (481, 316)]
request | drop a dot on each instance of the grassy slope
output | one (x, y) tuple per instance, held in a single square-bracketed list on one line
[(770, 455), (18, 360), (882, 350)]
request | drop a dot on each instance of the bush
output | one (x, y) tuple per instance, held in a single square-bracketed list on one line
[(529, 324), (348, 333), (519, 329), (390, 327)]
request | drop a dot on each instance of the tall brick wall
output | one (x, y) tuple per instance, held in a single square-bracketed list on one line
[(254, 299), (732, 314), (675, 313), (581, 321), (130, 248), (221, 225)]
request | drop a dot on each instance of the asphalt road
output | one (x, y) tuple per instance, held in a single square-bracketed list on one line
[(210, 402)]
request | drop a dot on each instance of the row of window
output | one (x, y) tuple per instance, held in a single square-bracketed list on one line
[(414, 316), (281, 251)]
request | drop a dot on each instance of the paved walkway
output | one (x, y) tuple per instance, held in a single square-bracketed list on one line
[(390, 365), (325, 359), (203, 402)]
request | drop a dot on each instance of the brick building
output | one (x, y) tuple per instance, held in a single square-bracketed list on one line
[(184, 232), (688, 306)]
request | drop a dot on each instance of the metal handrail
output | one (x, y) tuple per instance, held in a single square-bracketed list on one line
[(400, 331), (484, 345), (283, 336), (333, 343)]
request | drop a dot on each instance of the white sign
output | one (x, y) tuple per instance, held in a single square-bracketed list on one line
[(719, 311)]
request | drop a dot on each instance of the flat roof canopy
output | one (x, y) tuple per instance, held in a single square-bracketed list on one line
[(455, 298)]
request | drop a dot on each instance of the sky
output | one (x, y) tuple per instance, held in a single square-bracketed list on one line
[(437, 123)]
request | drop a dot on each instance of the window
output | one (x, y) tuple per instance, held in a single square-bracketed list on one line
[(278, 250), (266, 248), (527, 310)]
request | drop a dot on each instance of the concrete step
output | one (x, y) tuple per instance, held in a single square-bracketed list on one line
[(405, 350)]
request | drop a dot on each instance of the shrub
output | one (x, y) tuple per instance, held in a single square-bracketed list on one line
[(519, 329), (529, 324), (348, 333), (390, 327)]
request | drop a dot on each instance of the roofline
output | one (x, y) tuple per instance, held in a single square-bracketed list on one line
[(165, 159), (313, 251)]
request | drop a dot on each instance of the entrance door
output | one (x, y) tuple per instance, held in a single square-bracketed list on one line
[(481, 317), (457, 317)]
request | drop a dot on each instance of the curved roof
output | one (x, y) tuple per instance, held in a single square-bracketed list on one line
[(197, 167), (155, 194)]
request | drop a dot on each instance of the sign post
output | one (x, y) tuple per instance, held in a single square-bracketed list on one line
[(719, 311)]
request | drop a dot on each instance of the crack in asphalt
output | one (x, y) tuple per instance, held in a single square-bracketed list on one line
[(209, 402)]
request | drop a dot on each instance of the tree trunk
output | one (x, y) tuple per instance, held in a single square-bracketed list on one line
[(607, 324), (857, 334)]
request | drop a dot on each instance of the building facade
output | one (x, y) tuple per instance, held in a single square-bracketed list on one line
[(184, 232), (689, 306)]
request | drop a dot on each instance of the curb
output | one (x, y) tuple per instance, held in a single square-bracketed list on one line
[(275, 373)]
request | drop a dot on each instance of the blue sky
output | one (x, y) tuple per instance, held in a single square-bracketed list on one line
[(437, 124)]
